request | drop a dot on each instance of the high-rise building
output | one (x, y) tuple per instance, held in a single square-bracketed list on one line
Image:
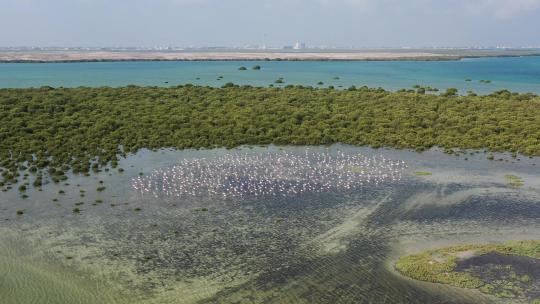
[(299, 46)]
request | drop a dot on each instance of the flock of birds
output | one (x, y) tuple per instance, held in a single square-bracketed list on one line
[(269, 174)]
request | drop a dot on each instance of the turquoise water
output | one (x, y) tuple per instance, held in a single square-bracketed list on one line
[(521, 74)]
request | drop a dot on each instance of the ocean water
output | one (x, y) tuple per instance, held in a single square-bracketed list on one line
[(520, 74)]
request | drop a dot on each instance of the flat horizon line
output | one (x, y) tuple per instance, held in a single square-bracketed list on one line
[(258, 47)]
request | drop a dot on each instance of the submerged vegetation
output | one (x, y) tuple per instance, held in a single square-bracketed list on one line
[(494, 275), (52, 131), (422, 173), (514, 181)]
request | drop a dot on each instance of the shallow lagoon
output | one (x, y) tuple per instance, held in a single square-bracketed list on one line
[(336, 246)]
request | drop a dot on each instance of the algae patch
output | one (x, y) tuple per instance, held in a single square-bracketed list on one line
[(423, 173), (514, 181)]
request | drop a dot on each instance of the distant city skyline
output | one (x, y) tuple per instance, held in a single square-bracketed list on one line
[(258, 47), (271, 23)]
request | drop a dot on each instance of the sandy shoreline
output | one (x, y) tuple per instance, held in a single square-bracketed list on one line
[(193, 56), (83, 56)]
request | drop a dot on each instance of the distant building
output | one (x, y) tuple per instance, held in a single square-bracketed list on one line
[(299, 46)]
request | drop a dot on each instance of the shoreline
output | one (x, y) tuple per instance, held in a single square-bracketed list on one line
[(262, 87), (111, 56)]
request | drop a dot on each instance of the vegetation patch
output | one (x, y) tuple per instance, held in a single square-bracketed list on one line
[(508, 270), (514, 181), (46, 132), (423, 173)]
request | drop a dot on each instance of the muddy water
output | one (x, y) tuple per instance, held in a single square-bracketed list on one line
[(516, 276), (330, 247)]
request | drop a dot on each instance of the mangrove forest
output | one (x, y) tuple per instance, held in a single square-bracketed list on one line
[(56, 130)]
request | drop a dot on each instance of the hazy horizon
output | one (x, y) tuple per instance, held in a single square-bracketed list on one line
[(255, 47), (237, 23)]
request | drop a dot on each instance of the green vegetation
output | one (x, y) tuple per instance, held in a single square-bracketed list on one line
[(450, 92), (438, 266), (242, 68), (418, 89), (422, 173), (52, 131), (514, 181), (227, 85), (38, 182), (256, 67)]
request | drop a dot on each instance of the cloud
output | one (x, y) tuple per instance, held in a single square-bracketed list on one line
[(503, 9), (494, 8), (354, 3), (500, 9)]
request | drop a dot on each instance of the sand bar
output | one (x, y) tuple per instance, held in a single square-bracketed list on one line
[(81, 56)]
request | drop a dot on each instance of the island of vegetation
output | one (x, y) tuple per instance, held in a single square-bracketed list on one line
[(508, 270), (47, 132)]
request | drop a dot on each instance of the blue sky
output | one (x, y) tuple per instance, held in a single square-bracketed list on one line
[(361, 23)]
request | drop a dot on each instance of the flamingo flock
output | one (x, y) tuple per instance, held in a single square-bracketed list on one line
[(269, 174)]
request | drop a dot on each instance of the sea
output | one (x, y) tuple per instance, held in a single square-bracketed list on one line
[(480, 75)]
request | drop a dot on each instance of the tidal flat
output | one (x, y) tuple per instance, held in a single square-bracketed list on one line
[(337, 241)]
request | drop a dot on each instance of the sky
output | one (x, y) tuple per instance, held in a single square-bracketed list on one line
[(345, 23)]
